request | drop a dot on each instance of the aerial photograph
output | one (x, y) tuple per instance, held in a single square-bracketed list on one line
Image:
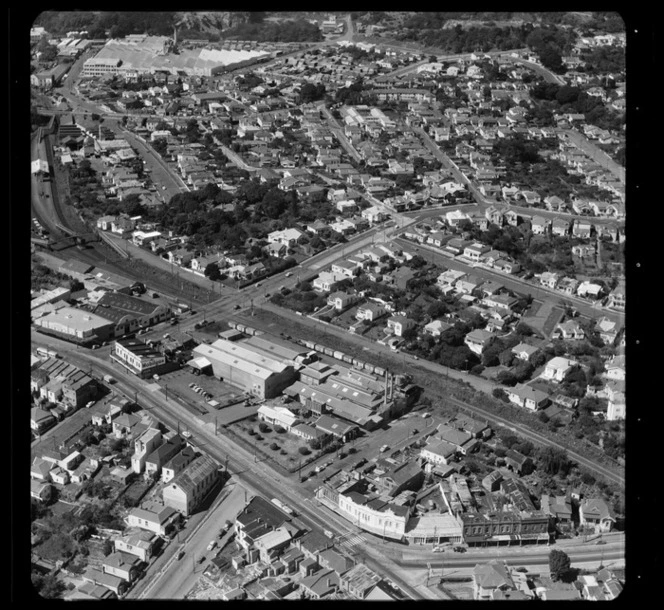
[(326, 305)]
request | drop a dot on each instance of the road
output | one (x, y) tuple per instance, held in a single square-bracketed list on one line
[(242, 464), (512, 282), (174, 578), (590, 149)]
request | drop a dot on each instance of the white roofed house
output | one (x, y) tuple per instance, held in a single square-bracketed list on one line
[(280, 416), (549, 279), (557, 368), (370, 311), (539, 225), (340, 300), (523, 351), (400, 324), (287, 237), (327, 280), (590, 290), (570, 329), (475, 251), (560, 227)]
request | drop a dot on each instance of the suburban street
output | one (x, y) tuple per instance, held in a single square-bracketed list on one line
[(257, 479), (517, 451)]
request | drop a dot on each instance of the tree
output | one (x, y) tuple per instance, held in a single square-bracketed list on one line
[(554, 461), (212, 271), (559, 565)]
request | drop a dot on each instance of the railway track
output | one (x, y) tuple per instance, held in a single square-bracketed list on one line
[(540, 440)]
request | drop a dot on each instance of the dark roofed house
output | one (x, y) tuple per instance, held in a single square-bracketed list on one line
[(516, 461), (334, 560), (321, 584), (313, 543)]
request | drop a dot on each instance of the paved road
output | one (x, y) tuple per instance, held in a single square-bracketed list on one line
[(241, 462), (595, 153)]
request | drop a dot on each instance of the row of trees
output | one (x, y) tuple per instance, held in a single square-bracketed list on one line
[(299, 30)]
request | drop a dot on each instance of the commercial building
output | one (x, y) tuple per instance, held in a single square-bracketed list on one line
[(378, 514), (138, 357), (61, 382), (185, 492), (130, 313), (245, 366), (142, 54), (76, 325)]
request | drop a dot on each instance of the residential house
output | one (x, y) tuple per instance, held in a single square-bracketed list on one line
[(478, 340), (568, 330), (528, 397), (560, 227), (549, 279), (371, 311), (122, 565), (557, 368), (596, 514), (398, 325), (523, 351), (321, 584), (558, 509), (139, 542), (517, 462), (327, 281), (489, 577), (505, 265), (341, 300), (615, 368), (158, 519), (590, 290), (475, 251), (436, 327), (539, 225), (279, 416)]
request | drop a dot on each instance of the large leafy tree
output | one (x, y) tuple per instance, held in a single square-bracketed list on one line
[(560, 565)]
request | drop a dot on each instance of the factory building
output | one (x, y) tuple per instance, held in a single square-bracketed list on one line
[(247, 367)]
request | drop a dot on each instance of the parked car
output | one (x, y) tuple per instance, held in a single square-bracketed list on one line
[(384, 448), (459, 549), (212, 544), (201, 559), (180, 555)]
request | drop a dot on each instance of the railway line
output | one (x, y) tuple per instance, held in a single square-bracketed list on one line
[(539, 439)]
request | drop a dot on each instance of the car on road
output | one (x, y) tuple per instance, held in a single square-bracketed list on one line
[(289, 274), (156, 377), (180, 555), (459, 549), (212, 545), (415, 430)]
